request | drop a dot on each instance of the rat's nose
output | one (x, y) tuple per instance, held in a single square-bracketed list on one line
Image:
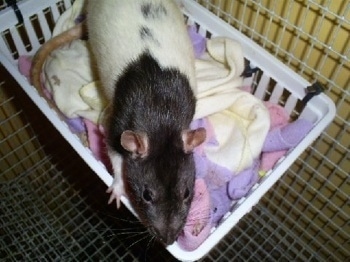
[(168, 240), (168, 237)]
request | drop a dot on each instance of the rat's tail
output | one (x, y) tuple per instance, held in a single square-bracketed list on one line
[(68, 36)]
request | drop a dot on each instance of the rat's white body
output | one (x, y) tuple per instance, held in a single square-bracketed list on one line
[(120, 31), (114, 32)]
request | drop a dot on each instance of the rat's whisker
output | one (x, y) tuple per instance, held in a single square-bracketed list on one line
[(152, 240), (130, 221), (138, 241)]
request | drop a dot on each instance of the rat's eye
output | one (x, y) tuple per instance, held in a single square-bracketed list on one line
[(147, 195)]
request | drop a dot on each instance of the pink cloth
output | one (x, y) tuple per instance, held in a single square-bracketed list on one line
[(278, 117), (198, 223), (97, 143), (282, 135)]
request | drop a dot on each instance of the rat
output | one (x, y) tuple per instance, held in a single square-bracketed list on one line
[(145, 63)]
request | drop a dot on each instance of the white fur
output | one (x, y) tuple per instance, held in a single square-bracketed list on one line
[(114, 33)]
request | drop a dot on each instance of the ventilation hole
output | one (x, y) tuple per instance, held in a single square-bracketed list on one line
[(256, 80), (270, 87), (49, 18), (37, 28), (6, 35), (24, 37), (61, 7), (299, 107), (284, 97)]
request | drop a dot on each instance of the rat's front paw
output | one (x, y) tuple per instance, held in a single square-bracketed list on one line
[(116, 190)]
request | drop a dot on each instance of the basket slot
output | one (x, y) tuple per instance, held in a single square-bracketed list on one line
[(204, 32), (291, 104), (276, 93), (20, 48), (248, 81), (38, 34), (284, 97), (269, 89), (262, 86), (31, 35), (45, 29), (67, 4), (54, 12), (7, 45), (23, 33), (190, 21)]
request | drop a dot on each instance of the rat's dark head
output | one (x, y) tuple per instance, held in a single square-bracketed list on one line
[(159, 180)]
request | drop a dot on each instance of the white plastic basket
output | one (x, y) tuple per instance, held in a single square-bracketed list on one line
[(320, 109)]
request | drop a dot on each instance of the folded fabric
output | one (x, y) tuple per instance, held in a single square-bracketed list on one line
[(279, 117), (220, 204), (240, 120), (75, 124), (67, 70), (69, 17), (287, 136), (214, 175), (282, 135), (218, 75), (198, 222), (239, 185)]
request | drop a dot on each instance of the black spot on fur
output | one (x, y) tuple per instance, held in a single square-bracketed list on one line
[(150, 11), (146, 34)]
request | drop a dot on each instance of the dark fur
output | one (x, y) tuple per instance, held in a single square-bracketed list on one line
[(151, 11), (159, 102)]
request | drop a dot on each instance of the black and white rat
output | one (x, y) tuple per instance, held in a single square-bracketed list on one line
[(145, 63)]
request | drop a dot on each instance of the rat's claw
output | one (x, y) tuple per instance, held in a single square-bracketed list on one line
[(116, 191), (114, 195)]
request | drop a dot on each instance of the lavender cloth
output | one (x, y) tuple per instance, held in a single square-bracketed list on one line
[(220, 203), (240, 184), (222, 184), (279, 117), (287, 136), (198, 41), (76, 124)]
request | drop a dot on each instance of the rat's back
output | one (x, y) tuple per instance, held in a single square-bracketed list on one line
[(120, 31)]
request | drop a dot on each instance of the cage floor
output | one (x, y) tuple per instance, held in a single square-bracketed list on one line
[(63, 215), (54, 208)]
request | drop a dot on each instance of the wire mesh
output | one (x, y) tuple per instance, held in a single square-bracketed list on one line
[(53, 207), (312, 37)]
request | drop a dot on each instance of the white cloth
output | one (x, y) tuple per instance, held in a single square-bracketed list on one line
[(240, 120), (68, 70)]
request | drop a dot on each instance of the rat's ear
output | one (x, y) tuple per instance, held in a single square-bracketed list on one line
[(193, 138), (135, 142)]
